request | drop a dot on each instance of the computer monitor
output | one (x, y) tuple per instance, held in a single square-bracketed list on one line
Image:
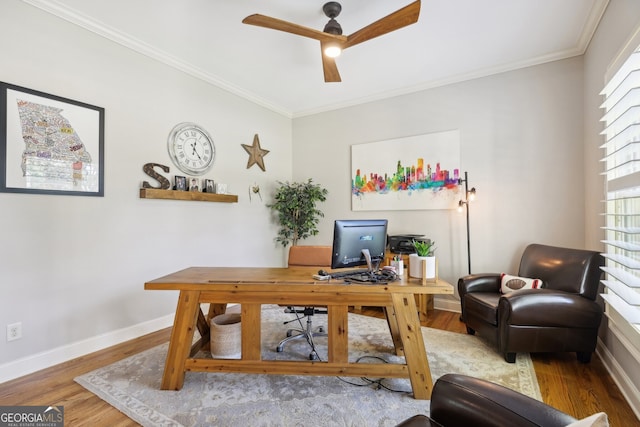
[(352, 238)]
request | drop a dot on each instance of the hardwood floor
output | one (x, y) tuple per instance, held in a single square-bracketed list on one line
[(575, 388)]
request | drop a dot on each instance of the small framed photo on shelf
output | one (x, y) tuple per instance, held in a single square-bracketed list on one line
[(209, 186), (221, 188), (193, 184), (180, 183)]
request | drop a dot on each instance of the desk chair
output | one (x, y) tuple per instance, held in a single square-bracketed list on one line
[(308, 256)]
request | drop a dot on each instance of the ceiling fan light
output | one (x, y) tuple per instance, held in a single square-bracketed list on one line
[(332, 50)]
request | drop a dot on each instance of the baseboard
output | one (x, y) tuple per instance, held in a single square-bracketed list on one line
[(622, 380), (446, 303), (46, 359)]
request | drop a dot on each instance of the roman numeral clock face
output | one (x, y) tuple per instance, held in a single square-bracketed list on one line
[(191, 148)]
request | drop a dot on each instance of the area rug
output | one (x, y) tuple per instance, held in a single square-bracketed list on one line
[(132, 385)]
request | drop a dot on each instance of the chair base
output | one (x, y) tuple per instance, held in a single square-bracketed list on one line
[(308, 334)]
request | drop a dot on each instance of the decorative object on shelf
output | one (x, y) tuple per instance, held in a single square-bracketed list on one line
[(256, 153), (422, 264), (221, 188), (209, 186), (469, 196), (254, 189), (193, 184), (180, 183), (191, 148), (50, 144), (148, 168), (295, 205)]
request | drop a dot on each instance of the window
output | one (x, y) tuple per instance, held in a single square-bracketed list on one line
[(622, 184)]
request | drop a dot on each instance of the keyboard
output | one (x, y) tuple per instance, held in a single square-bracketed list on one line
[(348, 273)]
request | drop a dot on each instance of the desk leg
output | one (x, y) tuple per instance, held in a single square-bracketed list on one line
[(184, 325), (393, 328), (413, 343), (251, 336), (338, 333), (215, 309)]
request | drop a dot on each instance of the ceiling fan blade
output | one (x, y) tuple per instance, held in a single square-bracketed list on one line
[(288, 27), (401, 18), (329, 67)]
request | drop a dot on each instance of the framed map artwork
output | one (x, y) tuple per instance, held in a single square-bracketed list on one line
[(50, 144)]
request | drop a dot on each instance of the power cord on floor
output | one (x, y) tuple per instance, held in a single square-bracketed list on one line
[(367, 381), (377, 383)]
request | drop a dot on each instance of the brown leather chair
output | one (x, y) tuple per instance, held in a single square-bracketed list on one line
[(460, 400), (563, 316), (306, 256)]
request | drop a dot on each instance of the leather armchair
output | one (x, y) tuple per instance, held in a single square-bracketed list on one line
[(460, 400), (563, 316)]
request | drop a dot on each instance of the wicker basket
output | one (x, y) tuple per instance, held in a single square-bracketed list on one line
[(226, 336)]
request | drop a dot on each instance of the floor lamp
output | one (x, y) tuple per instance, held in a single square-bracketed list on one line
[(469, 196)]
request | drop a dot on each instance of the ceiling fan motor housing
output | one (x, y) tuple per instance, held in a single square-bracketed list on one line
[(332, 9)]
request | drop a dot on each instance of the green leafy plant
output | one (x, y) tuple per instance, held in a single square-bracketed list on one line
[(424, 248), (295, 205)]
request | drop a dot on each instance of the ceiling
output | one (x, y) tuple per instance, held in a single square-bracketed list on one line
[(453, 40)]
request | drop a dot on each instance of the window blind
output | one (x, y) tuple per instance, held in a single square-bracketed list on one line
[(622, 182)]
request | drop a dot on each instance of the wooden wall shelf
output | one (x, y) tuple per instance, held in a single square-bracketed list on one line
[(155, 193)]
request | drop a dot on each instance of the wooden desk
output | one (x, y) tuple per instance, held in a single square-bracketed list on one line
[(252, 287)]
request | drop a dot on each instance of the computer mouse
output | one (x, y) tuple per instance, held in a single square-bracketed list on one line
[(323, 273)]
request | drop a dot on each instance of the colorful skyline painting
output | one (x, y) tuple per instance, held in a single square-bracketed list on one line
[(418, 172)]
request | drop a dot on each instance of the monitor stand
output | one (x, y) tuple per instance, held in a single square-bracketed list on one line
[(367, 257)]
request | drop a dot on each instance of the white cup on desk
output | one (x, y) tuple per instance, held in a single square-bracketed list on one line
[(398, 266)]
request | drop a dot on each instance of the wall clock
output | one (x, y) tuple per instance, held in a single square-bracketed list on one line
[(191, 148)]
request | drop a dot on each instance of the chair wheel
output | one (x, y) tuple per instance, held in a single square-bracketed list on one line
[(279, 349), (321, 329), (313, 356), (289, 333)]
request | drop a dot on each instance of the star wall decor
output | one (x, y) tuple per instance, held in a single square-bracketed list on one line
[(256, 153)]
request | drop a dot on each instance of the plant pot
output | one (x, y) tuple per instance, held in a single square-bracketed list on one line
[(416, 268)]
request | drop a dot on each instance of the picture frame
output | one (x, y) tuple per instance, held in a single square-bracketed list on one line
[(209, 186), (50, 144), (193, 184), (180, 183)]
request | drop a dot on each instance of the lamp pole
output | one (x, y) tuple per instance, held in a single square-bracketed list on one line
[(466, 195), (467, 198)]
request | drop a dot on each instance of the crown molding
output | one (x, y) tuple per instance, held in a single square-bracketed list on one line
[(75, 17)]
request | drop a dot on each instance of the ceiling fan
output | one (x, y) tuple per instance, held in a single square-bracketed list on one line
[(331, 39)]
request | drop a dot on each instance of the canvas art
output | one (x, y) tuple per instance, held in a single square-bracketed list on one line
[(411, 173)]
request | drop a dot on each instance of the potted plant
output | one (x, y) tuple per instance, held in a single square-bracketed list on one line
[(424, 254), (295, 205)]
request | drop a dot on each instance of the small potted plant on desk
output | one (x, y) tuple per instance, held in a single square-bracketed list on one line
[(423, 257)]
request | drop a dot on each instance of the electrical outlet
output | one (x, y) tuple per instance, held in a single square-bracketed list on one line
[(14, 331)]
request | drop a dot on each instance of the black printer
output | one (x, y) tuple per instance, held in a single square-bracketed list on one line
[(402, 243)]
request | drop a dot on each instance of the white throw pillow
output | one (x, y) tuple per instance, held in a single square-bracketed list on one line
[(596, 420), (510, 283)]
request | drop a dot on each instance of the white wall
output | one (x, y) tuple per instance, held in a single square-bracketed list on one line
[(619, 346), (72, 269), (521, 142)]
